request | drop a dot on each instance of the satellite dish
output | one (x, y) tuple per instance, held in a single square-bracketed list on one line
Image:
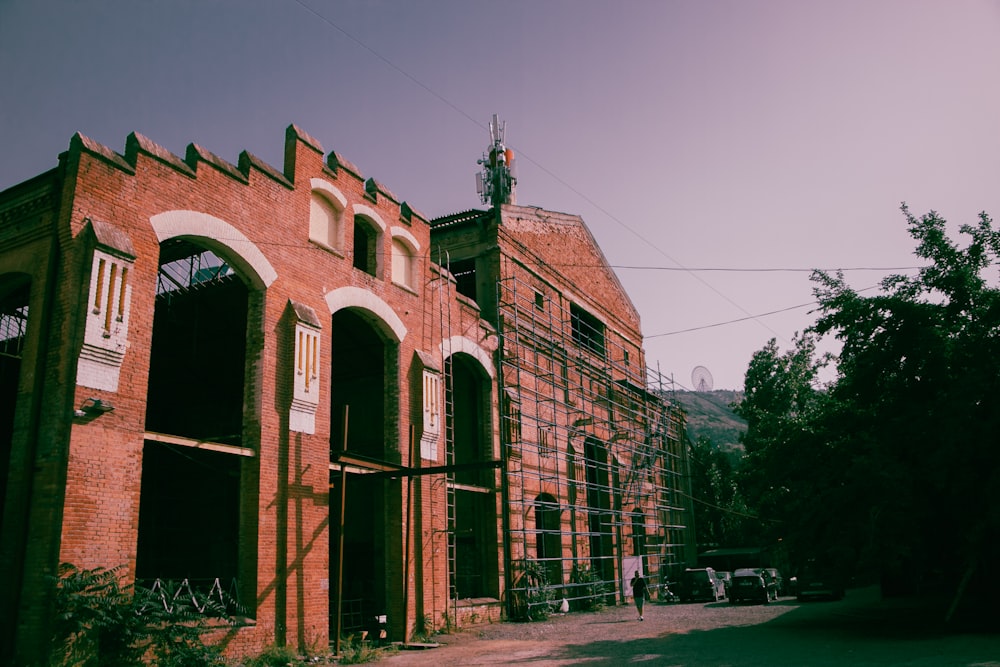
[(701, 379)]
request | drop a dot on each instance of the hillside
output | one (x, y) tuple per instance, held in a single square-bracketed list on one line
[(710, 416)]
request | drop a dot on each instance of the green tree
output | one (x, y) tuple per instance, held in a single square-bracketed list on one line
[(788, 463), (720, 511), (919, 399), (894, 464)]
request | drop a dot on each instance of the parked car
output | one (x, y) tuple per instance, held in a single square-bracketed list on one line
[(727, 579), (779, 581), (752, 585), (814, 580), (701, 584)]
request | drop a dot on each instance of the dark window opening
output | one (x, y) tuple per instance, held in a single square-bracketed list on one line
[(364, 558), (546, 441), (465, 391), (191, 523), (362, 361), (512, 423), (189, 515), (358, 371), (198, 356), (184, 267), (464, 271), (548, 539), (13, 322), (473, 544), (475, 573), (638, 533), (539, 301), (364, 247), (13, 327), (588, 331), (600, 517)]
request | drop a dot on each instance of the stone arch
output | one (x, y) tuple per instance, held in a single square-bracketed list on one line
[(326, 215), (404, 253), (385, 318), (320, 185), (371, 214), (457, 344), (407, 237), (217, 234)]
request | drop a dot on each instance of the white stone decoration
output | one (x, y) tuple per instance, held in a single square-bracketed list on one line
[(305, 369), (108, 306), (431, 433)]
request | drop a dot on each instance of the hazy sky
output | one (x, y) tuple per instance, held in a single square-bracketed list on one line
[(690, 135)]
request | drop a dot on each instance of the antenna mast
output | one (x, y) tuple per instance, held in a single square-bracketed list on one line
[(495, 183)]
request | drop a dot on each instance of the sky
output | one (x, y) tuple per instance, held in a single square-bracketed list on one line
[(717, 150)]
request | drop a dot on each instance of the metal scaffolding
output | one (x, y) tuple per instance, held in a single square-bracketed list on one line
[(595, 466)]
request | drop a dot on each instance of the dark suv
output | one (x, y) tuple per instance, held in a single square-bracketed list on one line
[(701, 584), (752, 585)]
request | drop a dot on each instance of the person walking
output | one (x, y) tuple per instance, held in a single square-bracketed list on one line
[(640, 592)]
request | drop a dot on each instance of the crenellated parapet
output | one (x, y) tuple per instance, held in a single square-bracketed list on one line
[(298, 144)]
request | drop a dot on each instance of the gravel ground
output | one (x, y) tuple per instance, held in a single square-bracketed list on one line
[(859, 630)]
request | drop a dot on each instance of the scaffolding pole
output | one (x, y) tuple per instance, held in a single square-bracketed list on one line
[(594, 454)]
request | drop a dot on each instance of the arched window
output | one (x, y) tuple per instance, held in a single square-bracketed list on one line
[(403, 264), (548, 539), (366, 245), (638, 532), (325, 222)]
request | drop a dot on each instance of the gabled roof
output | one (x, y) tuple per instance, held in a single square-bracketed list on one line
[(563, 244)]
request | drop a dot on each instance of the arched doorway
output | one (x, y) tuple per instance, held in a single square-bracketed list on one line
[(364, 417), (472, 512), (548, 538), (197, 499), (638, 532), (600, 518)]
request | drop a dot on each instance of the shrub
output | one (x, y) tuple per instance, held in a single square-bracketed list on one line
[(102, 622), (532, 595), (590, 588)]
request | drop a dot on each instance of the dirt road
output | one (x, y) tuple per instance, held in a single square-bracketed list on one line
[(859, 630)]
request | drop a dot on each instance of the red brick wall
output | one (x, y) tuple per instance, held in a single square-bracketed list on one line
[(95, 491)]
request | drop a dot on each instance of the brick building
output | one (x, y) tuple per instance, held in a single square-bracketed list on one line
[(288, 385)]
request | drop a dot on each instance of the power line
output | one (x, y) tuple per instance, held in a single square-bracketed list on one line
[(526, 156), (765, 269), (739, 319), (388, 62), (744, 319)]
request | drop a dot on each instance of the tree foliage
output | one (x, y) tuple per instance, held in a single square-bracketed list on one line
[(894, 464), (720, 512), (786, 463)]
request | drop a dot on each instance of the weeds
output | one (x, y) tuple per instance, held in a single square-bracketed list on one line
[(355, 651), (423, 629), (274, 656)]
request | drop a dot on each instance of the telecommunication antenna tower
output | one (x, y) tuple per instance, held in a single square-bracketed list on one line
[(495, 183)]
